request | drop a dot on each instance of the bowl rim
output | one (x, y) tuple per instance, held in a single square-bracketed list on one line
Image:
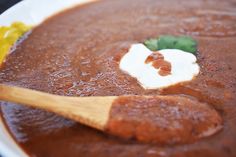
[(30, 12), (8, 145)]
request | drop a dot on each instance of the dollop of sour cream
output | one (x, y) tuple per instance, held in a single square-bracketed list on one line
[(184, 67)]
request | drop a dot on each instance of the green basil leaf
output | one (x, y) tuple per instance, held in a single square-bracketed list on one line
[(151, 44), (184, 43), (166, 42)]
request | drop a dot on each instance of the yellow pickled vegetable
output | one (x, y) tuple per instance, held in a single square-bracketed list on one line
[(9, 35)]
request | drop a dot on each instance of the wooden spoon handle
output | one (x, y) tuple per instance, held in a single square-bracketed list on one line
[(29, 97), (92, 111)]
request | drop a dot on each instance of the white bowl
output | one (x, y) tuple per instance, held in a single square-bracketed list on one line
[(31, 12)]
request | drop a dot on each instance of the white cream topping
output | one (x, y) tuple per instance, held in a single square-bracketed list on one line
[(183, 67)]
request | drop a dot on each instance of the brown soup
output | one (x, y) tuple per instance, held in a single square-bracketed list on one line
[(77, 53)]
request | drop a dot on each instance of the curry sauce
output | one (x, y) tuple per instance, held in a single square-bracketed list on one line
[(77, 53)]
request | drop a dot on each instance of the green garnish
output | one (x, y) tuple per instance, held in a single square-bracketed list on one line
[(184, 43), (151, 44)]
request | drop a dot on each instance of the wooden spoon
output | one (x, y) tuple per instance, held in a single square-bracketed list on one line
[(158, 119)]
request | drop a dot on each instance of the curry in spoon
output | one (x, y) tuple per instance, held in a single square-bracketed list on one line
[(153, 119)]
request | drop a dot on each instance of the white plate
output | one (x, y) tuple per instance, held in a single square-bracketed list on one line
[(31, 12)]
